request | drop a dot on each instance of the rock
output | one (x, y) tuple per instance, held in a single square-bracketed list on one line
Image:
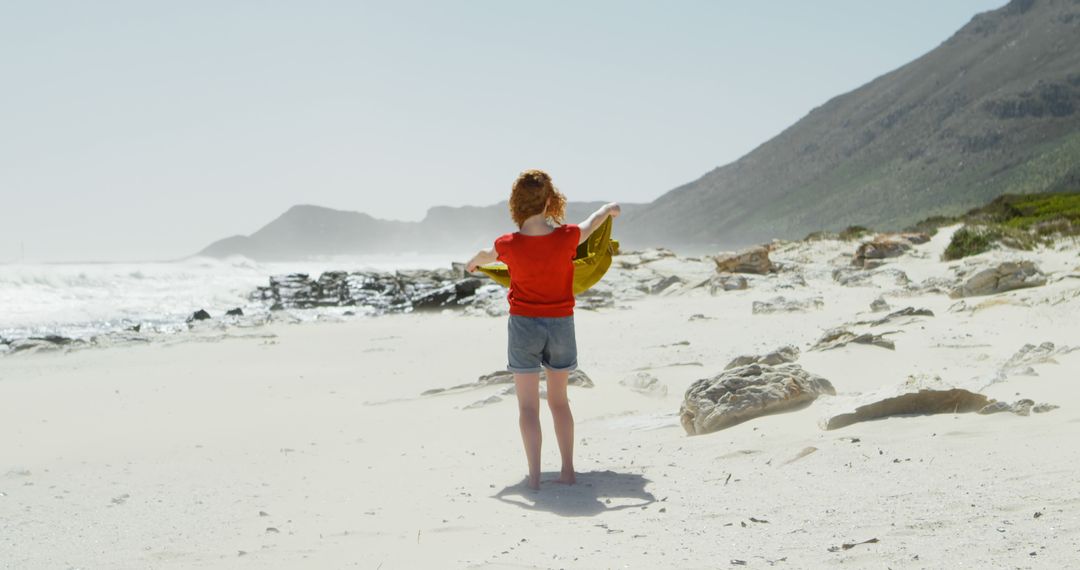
[(446, 295), (200, 315), (499, 377), (237, 312), (481, 403), (664, 283), (838, 337), (400, 291), (785, 305), (917, 396), (779, 356), (747, 392), (1043, 408), (1030, 354), (646, 384), (593, 299), (727, 282), (905, 312), (750, 260), (1019, 407), (868, 277), (1005, 277), (878, 305), (869, 254), (42, 343), (698, 317)]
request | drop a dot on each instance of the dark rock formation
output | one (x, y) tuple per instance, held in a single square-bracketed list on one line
[(200, 315), (401, 291)]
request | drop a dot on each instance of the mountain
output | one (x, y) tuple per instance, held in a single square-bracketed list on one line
[(309, 231), (994, 109)]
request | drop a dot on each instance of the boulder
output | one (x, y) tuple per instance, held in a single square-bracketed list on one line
[(870, 254), (237, 312), (727, 282), (1005, 277), (750, 260), (782, 355), (740, 394), (200, 315), (786, 305), (645, 384)]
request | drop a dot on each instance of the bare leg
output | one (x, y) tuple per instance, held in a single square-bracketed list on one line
[(528, 395), (564, 423)]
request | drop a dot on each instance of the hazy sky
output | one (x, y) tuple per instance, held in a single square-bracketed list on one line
[(145, 130)]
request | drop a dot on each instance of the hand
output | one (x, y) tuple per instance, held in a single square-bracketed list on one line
[(471, 266), (613, 209)]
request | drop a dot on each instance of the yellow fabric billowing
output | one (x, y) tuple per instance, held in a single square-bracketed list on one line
[(590, 263)]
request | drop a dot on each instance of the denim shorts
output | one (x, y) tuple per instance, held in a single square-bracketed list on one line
[(536, 342)]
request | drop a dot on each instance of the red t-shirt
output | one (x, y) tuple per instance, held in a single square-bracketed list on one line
[(541, 271)]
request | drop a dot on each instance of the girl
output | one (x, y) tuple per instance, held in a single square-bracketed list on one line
[(541, 328)]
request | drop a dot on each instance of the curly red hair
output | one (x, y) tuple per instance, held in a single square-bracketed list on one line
[(533, 193)]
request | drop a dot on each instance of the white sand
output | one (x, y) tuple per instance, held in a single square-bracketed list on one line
[(164, 456)]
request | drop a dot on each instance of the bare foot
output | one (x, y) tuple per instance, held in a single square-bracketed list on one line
[(534, 482), (567, 477)]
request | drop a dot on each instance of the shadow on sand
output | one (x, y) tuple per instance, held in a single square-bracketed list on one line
[(595, 492)]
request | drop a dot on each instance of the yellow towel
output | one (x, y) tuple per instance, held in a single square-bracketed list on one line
[(590, 263)]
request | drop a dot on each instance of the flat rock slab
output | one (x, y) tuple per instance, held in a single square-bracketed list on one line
[(836, 338), (782, 355), (1005, 277), (918, 402), (746, 392)]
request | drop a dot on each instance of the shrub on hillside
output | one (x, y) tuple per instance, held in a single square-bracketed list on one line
[(968, 241)]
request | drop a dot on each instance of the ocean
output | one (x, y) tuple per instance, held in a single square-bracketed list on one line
[(81, 300)]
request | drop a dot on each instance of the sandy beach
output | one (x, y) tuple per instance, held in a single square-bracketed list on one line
[(311, 446)]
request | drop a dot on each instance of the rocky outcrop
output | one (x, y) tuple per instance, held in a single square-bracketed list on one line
[(401, 291), (750, 260), (746, 392), (1005, 277), (782, 355), (838, 337), (786, 305), (645, 384)]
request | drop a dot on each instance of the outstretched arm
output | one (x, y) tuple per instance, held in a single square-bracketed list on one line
[(482, 257), (592, 222)]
